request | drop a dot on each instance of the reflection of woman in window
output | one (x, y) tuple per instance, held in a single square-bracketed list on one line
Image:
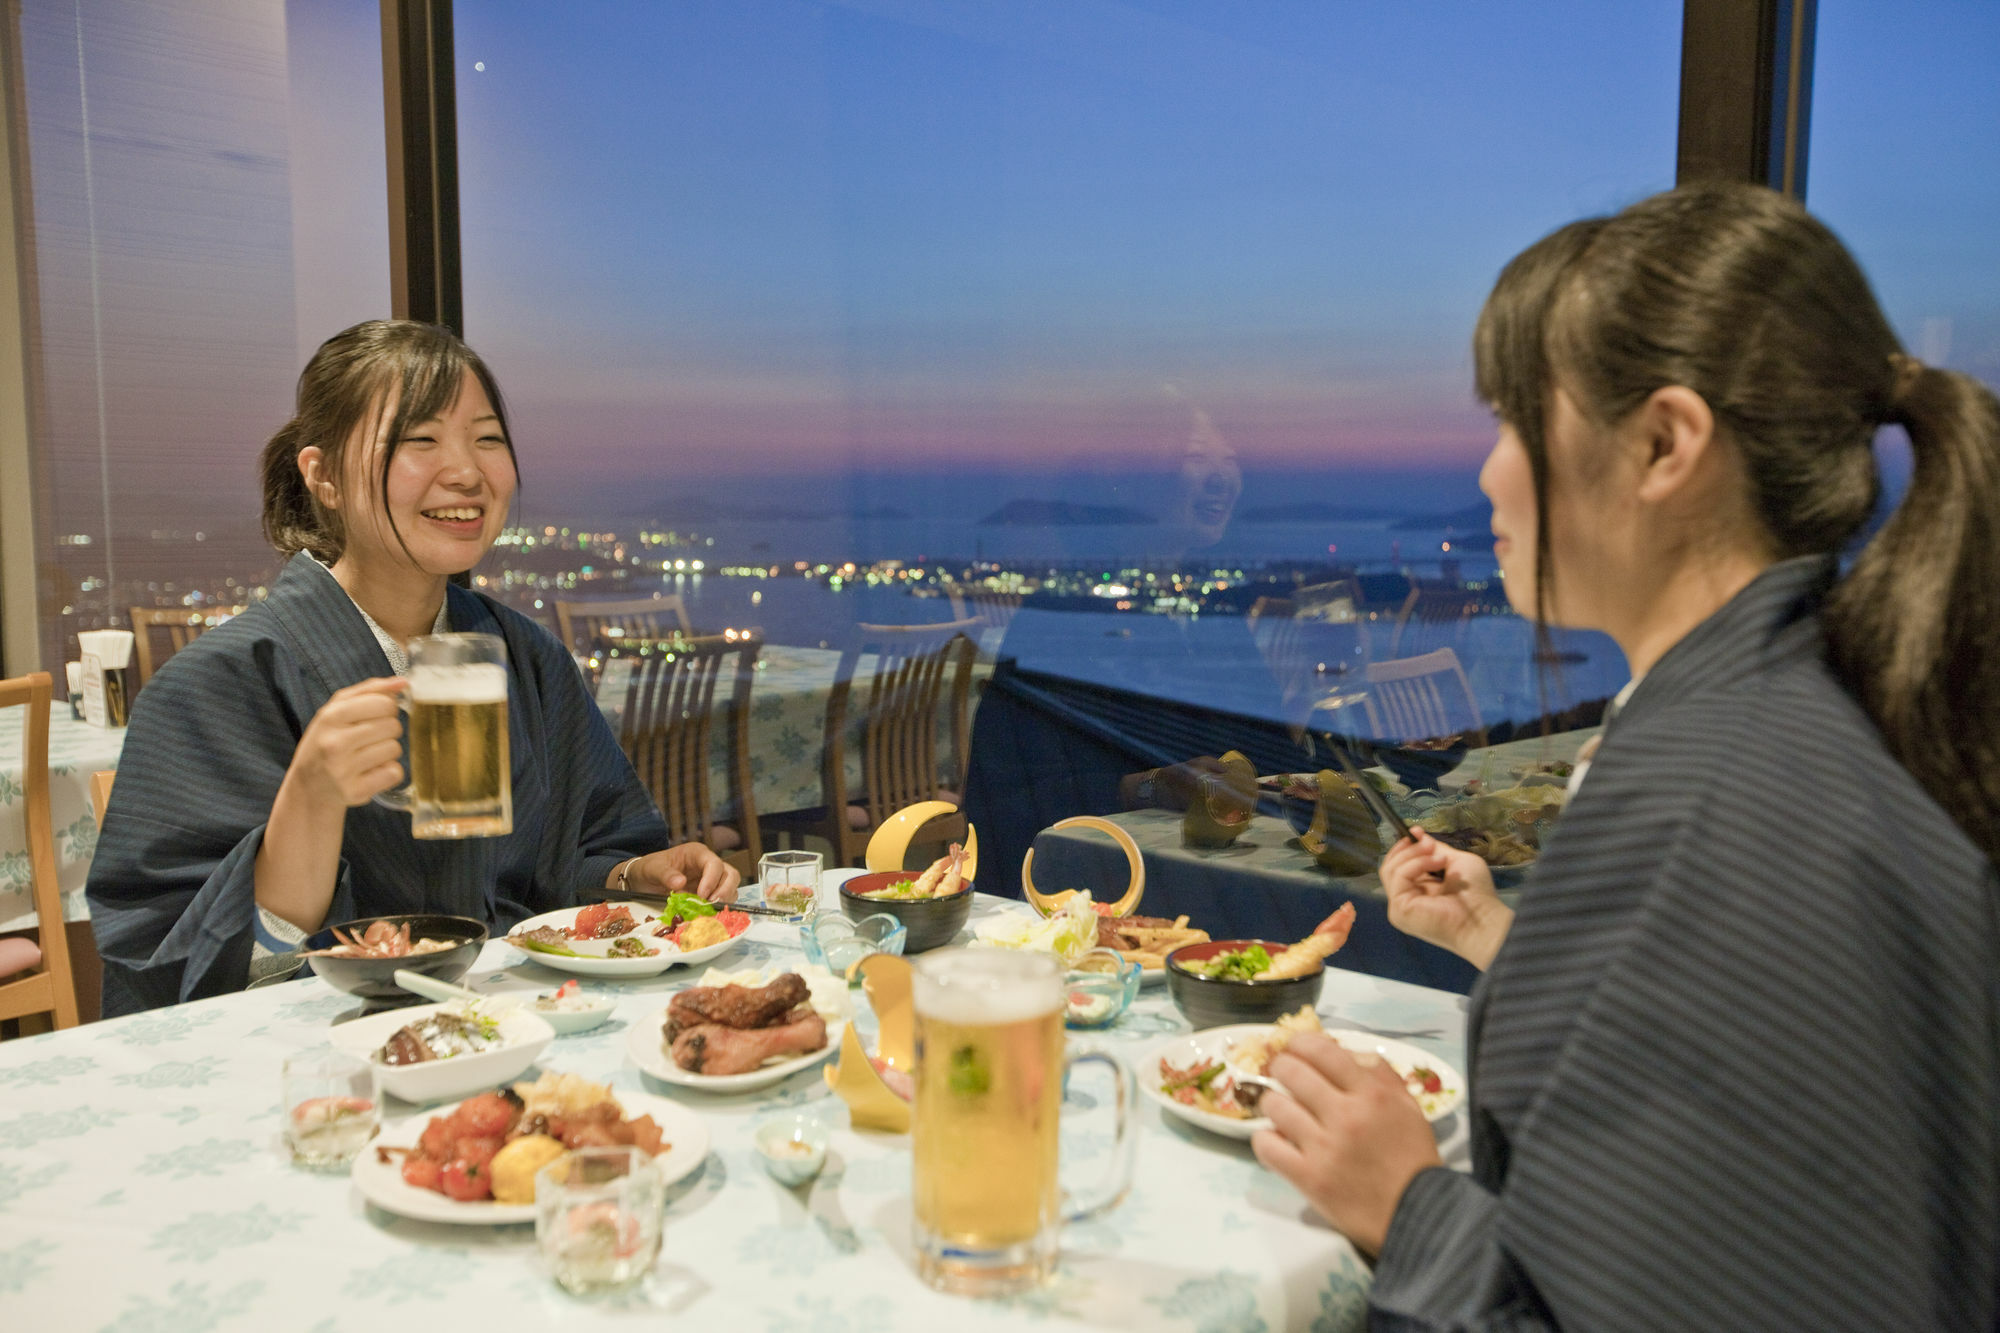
[(243, 816), (1208, 482), (1735, 1063)]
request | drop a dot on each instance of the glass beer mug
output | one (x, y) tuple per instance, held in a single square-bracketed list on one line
[(990, 1073), (460, 770)]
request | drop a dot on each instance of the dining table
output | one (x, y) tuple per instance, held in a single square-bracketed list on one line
[(1265, 885), (143, 1184), (76, 750)]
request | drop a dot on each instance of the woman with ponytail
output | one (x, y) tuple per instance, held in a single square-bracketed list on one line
[(1735, 1063), (243, 819)]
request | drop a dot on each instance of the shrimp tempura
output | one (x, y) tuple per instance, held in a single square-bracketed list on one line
[(1309, 953)]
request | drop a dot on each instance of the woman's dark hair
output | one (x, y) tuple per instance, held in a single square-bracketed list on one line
[(342, 388), (1736, 292)]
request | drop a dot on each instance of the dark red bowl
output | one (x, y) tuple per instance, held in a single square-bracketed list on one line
[(930, 922), (1212, 1002)]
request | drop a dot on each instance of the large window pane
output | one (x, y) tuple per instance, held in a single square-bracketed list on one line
[(208, 202)]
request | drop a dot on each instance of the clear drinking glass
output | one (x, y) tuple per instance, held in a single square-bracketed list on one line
[(460, 770), (598, 1214), (790, 880), (331, 1108), (990, 1072)]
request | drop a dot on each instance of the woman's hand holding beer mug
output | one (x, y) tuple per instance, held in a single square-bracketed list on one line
[(351, 752), (675, 870)]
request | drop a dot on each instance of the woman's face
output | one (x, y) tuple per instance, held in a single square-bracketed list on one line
[(1586, 532), (1210, 482), (449, 487)]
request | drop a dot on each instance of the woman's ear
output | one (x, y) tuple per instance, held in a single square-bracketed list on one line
[(1676, 433), (312, 466)]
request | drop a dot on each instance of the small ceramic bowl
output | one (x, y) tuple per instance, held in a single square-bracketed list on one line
[(793, 1147), (835, 943), (1212, 1002), (1099, 989), (931, 922), (567, 1021)]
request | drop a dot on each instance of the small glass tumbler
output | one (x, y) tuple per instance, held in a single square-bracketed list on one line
[(598, 1214), (790, 880), (331, 1108)]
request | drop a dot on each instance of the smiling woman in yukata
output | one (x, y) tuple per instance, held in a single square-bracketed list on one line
[(243, 818)]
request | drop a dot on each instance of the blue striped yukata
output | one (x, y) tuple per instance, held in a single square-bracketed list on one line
[(1737, 1065), (171, 889)]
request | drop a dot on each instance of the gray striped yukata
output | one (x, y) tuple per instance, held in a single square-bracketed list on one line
[(171, 888), (1738, 1064)]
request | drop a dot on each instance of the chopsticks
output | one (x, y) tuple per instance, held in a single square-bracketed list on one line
[(753, 909)]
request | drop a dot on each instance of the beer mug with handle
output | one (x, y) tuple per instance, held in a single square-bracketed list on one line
[(459, 767), (990, 1074)]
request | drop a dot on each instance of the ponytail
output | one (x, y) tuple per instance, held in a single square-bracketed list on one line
[(294, 520), (1910, 629)]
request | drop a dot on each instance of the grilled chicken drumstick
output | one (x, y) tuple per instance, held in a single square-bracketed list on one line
[(711, 1048)]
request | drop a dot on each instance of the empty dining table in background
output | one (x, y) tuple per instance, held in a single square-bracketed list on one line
[(787, 726), (76, 750)]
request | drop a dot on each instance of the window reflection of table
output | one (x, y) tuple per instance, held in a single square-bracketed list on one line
[(1265, 886), (76, 750)]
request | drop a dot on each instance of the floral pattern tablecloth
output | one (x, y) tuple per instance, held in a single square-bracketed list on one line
[(142, 1186), (76, 750)]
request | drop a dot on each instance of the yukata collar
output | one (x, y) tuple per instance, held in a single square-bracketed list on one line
[(1739, 638)]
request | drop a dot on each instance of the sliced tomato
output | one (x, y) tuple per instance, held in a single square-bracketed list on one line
[(734, 922), (589, 919), (439, 1139), (423, 1173), (467, 1181), (478, 1149)]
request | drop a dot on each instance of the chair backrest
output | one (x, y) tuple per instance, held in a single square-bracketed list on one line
[(1422, 698), (668, 725), (175, 626), (581, 624), (100, 792), (1432, 618), (990, 608), (53, 989), (914, 673)]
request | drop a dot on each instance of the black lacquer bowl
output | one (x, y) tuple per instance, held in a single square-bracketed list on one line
[(928, 922), (1213, 1002), (374, 979)]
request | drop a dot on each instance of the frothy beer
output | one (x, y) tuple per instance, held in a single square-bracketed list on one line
[(459, 761)]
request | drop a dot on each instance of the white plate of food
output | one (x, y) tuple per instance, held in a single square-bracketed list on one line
[(379, 1175), (432, 1052), (575, 939), (767, 1029), (1175, 1070)]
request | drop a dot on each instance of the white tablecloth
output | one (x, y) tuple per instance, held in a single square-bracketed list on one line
[(142, 1186), (76, 750)]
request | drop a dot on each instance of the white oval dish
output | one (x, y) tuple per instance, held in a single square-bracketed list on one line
[(1217, 1043), (525, 1036), (382, 1184), (646, 1047), (651, 966)]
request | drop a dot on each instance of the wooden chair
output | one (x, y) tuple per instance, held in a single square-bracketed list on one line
[(1432, 618), (581, 624), (666, 730), (1422, 698), (917, 671), (180, 626), (49, 984), (990, 608), (100, 792)]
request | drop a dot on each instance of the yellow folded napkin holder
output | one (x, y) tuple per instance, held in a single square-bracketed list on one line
[(885, 979), (890, 843), (1135, 883)]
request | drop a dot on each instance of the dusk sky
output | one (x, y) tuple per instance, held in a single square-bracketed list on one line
[(710, 238)]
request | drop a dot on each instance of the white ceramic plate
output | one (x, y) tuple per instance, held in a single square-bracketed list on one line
[(607, 966), (646, 1047), (525, 1034), (1217, 1043), (382, 1184)]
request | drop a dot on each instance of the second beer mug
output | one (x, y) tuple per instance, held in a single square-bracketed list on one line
[(990, 1077), (460, 768)]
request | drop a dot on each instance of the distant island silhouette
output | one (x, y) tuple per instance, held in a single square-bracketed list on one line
[(1314, 512), (1478, 517), (1063, 514)]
